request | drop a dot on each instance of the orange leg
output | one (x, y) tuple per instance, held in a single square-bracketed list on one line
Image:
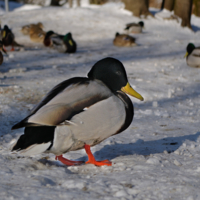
[(12, 48), (91, 158), (68, 162)]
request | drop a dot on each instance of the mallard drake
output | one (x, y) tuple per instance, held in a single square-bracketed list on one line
[(54, 39), (124, 40), (8, 38), (63, 43), (36, 34), (26, 29), (134, 27), (1, 47), (193, 56), (78, 113)]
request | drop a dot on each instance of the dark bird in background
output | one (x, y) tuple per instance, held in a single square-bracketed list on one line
[(1, 48), (192, 55), (8, 38), (134, 27), (63, 43)]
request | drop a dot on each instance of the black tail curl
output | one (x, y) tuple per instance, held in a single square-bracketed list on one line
[(35, 135)]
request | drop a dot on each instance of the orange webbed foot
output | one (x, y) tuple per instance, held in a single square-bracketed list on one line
[(100, 163), (68, 162), (91, 158)]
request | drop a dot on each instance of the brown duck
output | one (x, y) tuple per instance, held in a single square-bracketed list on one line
[(124, 40), (37, 34), (26, 29)]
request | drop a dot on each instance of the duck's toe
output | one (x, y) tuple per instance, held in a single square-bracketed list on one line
[(68, 162), (100, 163)]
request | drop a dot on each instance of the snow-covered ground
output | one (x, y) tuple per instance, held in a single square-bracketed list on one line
[(157, 157)]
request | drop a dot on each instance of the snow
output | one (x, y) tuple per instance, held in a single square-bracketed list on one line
[(157, 157), (27, 7)]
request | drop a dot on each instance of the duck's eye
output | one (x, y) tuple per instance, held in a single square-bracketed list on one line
[(118, 73)]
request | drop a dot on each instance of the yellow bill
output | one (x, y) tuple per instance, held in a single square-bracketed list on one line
[(70, 42), (129, 90), (4, 34), (186, 54)]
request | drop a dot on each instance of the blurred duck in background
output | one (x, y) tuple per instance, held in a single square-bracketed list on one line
[(134, 27), (193, 55), (35, 31), (124, 40), (8, 38), (37, 34), (26, 29), (1, 48), (63, 43)]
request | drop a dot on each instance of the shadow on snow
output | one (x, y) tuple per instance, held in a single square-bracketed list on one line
[(141, 147)]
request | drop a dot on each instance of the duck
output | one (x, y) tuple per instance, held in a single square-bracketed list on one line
[(26, 29), (124, 40), (8, 38), (63, 43), (192, 55), (79, 113), (134, 27), (37, 34), (1, 48)]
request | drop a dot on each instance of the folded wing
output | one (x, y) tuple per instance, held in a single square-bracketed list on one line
[(64, 101)]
